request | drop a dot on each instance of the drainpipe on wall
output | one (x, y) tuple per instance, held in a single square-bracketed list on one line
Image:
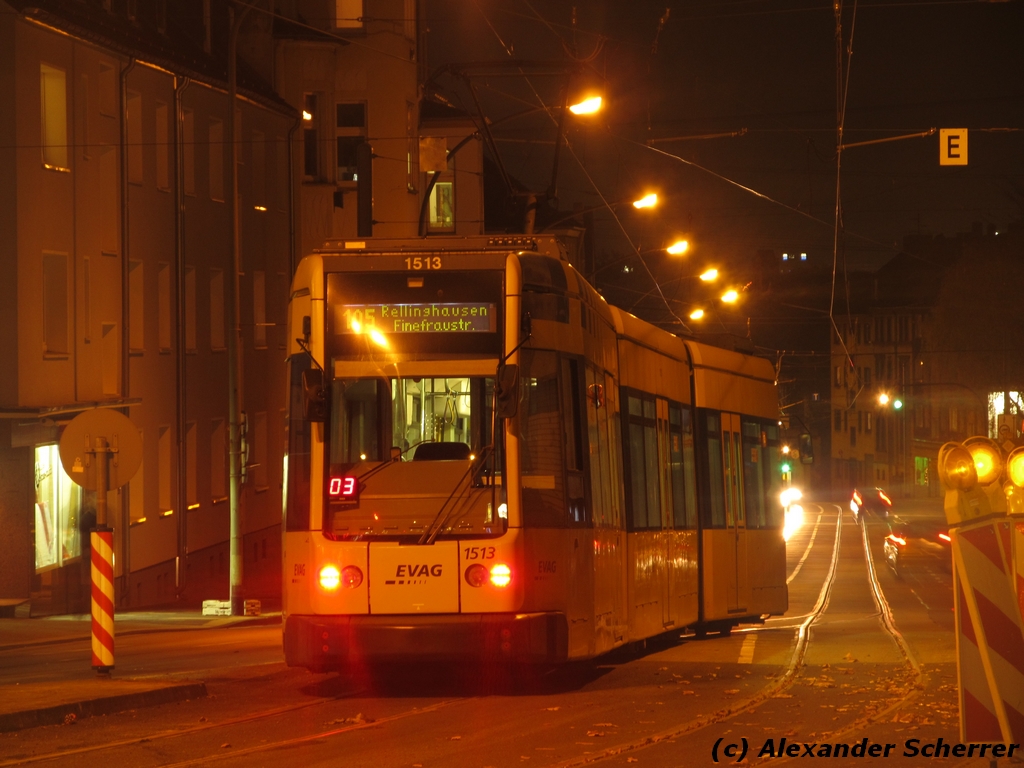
[(181, 561), (124, 522)]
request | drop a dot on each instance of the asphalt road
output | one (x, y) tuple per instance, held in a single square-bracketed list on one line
[(861, 654)]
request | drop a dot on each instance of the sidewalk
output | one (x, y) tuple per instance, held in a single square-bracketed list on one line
[(26, 705)]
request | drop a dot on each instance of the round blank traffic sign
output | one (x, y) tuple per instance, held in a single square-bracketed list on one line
[(78, 445)]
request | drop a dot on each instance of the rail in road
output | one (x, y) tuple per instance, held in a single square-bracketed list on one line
[(837, 670)]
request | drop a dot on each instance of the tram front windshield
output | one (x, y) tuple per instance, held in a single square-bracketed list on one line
[(422, 453), (371, 416)]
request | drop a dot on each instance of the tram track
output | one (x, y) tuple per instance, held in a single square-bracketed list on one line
[(792, 672), (777, 686), (255, 717), (784, 680)]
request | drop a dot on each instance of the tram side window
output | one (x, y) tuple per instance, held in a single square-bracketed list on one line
[(296, 511), (601, 440), (715, 511), (644, 491), (755, 461), (540, 426), (684, 492), (572, 419)]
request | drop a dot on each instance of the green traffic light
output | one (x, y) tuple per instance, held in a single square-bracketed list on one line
[(785, 467), (897, 404)]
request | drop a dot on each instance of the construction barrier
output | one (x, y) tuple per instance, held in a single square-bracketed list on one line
[(990, 635), (102, 539)]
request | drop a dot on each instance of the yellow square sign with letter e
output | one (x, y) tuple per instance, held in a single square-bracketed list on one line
[(952, 146)]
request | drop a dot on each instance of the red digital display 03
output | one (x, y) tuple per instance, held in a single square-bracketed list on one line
[(346, 488)]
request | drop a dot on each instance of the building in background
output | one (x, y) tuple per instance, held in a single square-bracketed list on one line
[(928, 352), (116, 269), (115, 273)]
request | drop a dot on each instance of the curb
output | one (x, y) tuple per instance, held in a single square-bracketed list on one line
[(243, 622), (106, 705)]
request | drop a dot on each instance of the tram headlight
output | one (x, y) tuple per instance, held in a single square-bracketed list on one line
[(351, 576), (476, 575), (501, 575), (330, 578)]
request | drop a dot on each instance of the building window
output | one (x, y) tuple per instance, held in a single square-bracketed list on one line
[(188, 150), (190, 309), (259, 309), (134, 120), (216, 146), (163, 149), (137, 494), (350, 126), (310, 138), (53, 97), (348, 14), (191, 466), (163, 300), (442, 207), (853, 437), (110, 355), (218, 460), (838, 381), (108, 90), (58, 510), (281, 173), (838, 420), (55, 304), (868, 421), (164, 470), (136, 316), (259, 170), (258, 451), (217, 337)]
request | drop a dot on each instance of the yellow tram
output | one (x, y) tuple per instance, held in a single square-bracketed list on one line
[(485, 459)]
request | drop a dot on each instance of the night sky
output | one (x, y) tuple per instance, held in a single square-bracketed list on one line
[(763, 74)]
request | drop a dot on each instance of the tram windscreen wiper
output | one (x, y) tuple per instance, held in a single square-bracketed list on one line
[(441, 519)]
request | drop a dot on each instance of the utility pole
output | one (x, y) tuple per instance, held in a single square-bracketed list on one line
[(234, 340)]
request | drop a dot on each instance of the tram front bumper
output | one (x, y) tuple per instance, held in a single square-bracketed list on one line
[(331, 642)]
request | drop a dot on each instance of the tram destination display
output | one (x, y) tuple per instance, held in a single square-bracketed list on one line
[(434, 317)]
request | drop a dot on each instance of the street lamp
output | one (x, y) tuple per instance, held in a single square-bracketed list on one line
[(678, 247), (587, 106), (709, 275), (647, 201), (731, 296)]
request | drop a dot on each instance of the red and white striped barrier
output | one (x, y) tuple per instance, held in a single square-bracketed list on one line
[(990, 635), (102, 540), (1018, 550)]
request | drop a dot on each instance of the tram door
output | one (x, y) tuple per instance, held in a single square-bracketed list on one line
[(735, 512)]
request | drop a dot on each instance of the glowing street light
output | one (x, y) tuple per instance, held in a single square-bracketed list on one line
[(709, 275), (697, 314), (588, 106), (883, 399), (647, 201), (731, 296), (678, 247)]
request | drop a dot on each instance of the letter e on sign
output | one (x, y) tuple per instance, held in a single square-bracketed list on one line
[(952, 146)]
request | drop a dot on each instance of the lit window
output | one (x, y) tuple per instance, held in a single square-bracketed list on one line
[(350, 127), (348, 14), (53, 95), (442, 207)]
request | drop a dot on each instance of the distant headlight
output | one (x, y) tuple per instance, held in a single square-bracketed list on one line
[(790, 495)]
